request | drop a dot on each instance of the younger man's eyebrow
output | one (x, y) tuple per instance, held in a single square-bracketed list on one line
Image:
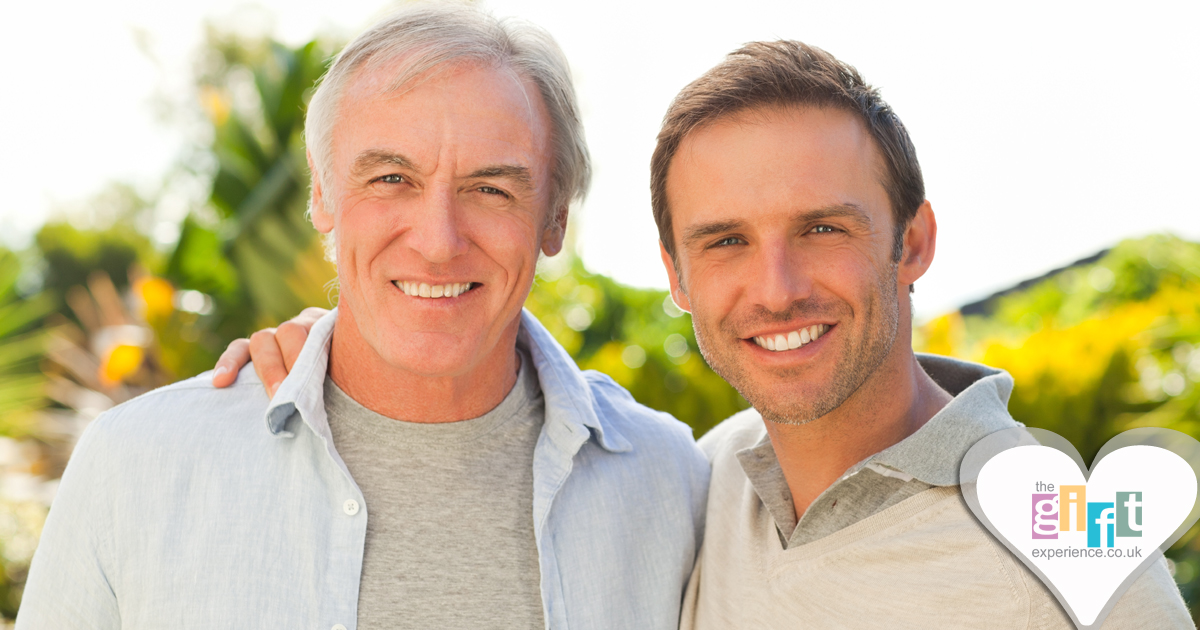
[(702, 231), (837, 211), (849, 211)]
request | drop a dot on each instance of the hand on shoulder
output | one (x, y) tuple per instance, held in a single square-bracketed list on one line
[(273, 351)]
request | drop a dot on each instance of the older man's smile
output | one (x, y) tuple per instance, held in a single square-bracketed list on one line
[(434, 291)]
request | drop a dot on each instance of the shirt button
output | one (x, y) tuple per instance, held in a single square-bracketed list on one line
[(338, 627), (349, 507)]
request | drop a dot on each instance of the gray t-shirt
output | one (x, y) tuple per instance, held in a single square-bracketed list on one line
[(450, 540)]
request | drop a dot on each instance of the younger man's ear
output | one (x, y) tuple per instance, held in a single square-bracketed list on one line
[(321, 219), (920, 243), (677, 293), (555, 232)]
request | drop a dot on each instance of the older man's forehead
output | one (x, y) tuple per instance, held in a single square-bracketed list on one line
[(505, 114), (396, 76)]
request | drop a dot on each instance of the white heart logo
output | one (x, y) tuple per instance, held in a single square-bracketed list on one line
[(1086, 536)]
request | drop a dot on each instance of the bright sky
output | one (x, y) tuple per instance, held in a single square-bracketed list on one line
[(1046, 131)]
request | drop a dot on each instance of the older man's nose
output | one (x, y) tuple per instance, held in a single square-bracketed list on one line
[(436, 231), (780, 278)]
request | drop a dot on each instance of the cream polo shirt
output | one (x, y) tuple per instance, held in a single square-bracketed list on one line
[(890, 544)]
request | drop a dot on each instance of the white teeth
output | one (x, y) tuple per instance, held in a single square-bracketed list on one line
[(793, 340), (425, 290)]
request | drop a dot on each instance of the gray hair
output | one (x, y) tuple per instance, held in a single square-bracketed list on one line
[(430, 35)]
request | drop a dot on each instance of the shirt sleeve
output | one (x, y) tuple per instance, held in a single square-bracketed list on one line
[(1152, 601), (69, 584)]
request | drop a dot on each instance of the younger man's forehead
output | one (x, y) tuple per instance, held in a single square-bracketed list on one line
[(752, 153)]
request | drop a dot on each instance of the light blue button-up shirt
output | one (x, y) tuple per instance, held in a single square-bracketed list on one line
[(180, 509)]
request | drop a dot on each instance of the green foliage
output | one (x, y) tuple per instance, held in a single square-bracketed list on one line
[(22, 345), (636, 336), (255, 93), (1099, 349), (71, 254)]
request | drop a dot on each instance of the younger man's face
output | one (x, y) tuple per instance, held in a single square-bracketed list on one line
[(782, 230)]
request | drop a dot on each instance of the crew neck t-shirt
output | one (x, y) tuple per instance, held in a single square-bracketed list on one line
[(450, 540)]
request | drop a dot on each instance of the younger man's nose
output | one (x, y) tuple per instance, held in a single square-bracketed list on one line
[(779, 278)]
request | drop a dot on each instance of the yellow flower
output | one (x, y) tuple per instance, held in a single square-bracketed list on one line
[(158, 295), (120, 363)]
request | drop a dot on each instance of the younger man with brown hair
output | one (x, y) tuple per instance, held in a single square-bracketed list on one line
[(793, 224)]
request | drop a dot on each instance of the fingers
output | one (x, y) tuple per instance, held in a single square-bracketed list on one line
[(232, 360), (268, 359), (308, 317), (273, 350), (290, 337)]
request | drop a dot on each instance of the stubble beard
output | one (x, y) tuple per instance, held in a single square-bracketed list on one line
[(857, 361)]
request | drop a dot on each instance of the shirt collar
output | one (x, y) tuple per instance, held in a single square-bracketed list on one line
[(570, 404), (303, 390), (980, 407), (933, 453)]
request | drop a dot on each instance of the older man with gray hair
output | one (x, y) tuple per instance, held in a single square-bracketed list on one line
[(434, 459)]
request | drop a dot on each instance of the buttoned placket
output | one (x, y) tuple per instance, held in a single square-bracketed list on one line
[(348, 540), (305, 412)]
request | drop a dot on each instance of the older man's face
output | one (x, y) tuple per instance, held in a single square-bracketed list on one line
[(441, 198), (784, 234)]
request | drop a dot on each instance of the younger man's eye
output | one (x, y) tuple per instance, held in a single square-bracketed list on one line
[(728, 240)]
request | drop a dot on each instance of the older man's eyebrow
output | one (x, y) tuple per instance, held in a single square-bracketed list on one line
[(517, 174), (838, 211), (369, 160), (703, 231)]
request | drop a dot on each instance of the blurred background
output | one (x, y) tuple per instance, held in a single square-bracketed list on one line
[(155, 185)]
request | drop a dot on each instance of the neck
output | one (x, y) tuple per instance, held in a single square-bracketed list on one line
[(891, 404), (402, 394)]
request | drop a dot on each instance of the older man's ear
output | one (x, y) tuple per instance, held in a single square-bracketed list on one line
[(321, 219), (555, 232)]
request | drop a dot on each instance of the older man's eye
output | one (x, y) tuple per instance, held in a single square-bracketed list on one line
[(392, 179), (491, 190), (824, 229)]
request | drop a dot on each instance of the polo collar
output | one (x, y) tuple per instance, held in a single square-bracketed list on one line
[(933, 453)]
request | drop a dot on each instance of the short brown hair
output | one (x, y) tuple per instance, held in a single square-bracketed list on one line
[(788, 73)]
